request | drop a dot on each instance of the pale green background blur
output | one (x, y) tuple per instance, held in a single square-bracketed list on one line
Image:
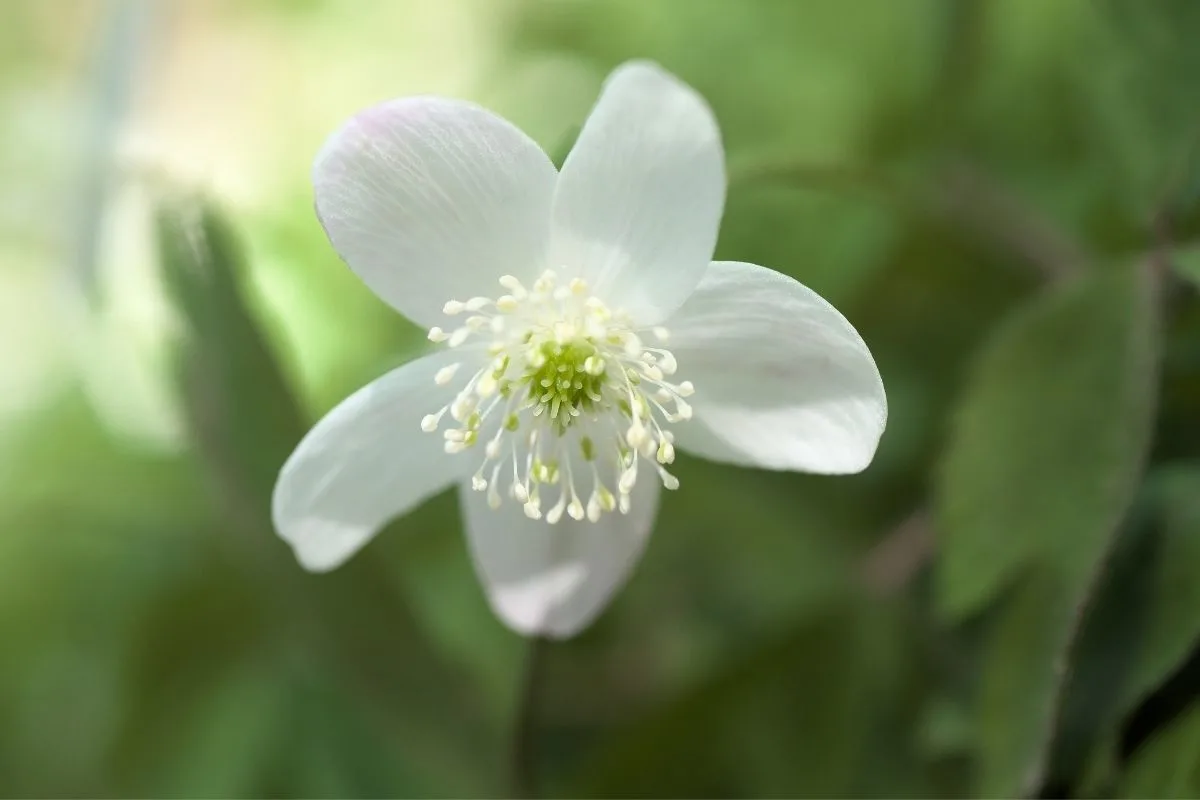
[(929, 166)]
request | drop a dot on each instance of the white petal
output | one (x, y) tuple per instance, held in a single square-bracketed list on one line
[(782, 380), (364, 463), (430, 199), (553, 580), (640, 196)]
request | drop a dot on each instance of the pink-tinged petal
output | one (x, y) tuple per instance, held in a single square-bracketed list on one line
[(430, 199)]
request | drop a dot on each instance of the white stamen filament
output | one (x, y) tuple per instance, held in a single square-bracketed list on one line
[(567, 380)]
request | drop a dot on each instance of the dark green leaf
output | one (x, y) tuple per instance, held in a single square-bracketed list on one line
[(1042, 465), (1105, 646), (1172, 622), (1140, 625), (1169, 764), (1049, 439), (1019, 684)]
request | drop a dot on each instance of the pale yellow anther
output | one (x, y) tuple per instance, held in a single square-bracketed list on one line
[(575, 509), (627, 480), (462, 407), (637, 435), (445, 374), (453, 307), (513, 286), (633, 345), (486, 386)]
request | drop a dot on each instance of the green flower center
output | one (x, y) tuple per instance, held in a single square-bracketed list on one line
[(565, 380)]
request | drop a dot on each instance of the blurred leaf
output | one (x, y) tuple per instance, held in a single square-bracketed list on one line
[(1169, 764), (1018, 686), (1042, 464), (242, 415), (1099, 775), (245, 423), (185, 650), (812, 686), (1140, 105), (1139, 627), (1172, 622), (331, 332), (1187, 264), (220, 743), (1105, 646), (335, 749), (1049, 438)]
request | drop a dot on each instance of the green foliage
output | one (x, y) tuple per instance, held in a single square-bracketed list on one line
[(1059, 409), (1003, 196), (1187, 265), (1169, 764), (1140, 629), (712, 736)]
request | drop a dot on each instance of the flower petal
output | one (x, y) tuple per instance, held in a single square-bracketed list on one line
[(640, 197), (364, 463), (782, 380), (553, 580), (430, 199)]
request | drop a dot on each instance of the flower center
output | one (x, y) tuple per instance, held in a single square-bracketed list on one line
[(568, 396)]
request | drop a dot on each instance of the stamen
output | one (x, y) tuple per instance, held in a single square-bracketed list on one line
[(445, 374), (564, 380)]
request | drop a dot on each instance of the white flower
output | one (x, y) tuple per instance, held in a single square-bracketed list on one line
[(585, 338)]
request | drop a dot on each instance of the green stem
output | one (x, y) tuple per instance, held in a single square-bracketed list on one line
[(523, 764)]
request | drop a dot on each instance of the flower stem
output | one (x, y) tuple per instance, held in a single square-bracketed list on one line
[(523, 771)]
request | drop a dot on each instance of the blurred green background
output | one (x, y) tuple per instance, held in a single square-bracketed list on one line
[(1002, 195)]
